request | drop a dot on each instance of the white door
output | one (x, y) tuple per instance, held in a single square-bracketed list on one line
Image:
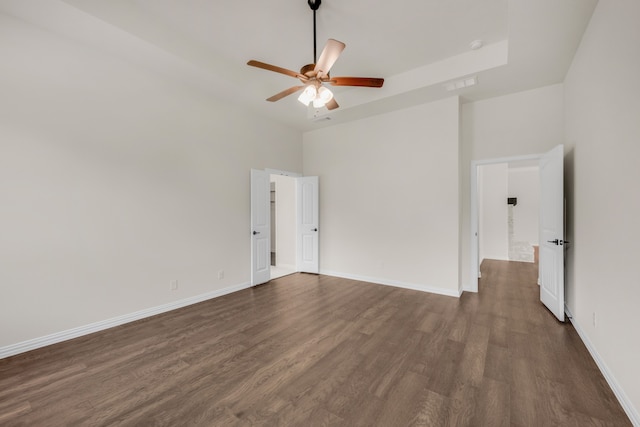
[(307, 224), (552, 231), (260, 227)]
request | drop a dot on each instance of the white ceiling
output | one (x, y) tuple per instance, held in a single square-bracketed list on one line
[(415, 45)]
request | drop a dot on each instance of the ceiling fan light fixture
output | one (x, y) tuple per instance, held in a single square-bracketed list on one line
[(308, 94), (325, 94)]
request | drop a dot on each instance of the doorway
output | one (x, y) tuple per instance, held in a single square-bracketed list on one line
[(305, 200), (508, 211), (551, 227), (283, 225), (492, 221)]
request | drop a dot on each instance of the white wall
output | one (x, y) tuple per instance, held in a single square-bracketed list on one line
[(492, 213), (603, 136), (524, 183), (529, 122), (114, 182), (285, 221), (389, 196)]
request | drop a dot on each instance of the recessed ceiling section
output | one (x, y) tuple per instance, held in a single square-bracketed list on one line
[(387, 38), (417, 46), (430, 43), (461, 67)]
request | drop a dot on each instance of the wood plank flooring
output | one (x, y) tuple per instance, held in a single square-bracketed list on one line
[(307, 350)]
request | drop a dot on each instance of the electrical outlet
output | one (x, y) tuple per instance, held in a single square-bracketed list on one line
[(220, 274), (173, 285), (594, 319)]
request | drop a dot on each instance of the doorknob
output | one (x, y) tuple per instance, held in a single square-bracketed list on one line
[(315, 229), (556, 241), (256, 232)]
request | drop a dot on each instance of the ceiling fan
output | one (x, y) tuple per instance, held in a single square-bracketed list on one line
[(313, 76)]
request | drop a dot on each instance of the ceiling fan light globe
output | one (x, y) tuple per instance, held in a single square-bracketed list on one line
[(325, 95), (308, 94), (303, 99)]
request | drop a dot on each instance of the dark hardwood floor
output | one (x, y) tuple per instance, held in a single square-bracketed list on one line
[(308, 350)]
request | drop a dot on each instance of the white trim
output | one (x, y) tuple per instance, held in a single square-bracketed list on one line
[(395, 283), (474, 247), (473, 208), (495, 258), (32, 344), (507, 159), (283, 173), (524, 169), (624, 400)]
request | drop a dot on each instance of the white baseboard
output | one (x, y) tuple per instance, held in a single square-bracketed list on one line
[(495, 258), (57, 337), (624, 400), (395, 283)]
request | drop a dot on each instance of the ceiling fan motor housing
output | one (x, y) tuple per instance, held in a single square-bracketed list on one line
[(309, 70)]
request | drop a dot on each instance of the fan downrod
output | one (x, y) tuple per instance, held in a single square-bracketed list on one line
[(314, 5)]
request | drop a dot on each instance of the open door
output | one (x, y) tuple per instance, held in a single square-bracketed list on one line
[(307, 224), (552, 231), (260, 227)]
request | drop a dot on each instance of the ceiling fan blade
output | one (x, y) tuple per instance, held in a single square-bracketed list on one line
[(328, 57), (284, 93), (332, 105), (280, 70), (356, 81)]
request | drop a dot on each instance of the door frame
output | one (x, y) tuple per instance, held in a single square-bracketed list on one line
[(283, 173), (474, 262)]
